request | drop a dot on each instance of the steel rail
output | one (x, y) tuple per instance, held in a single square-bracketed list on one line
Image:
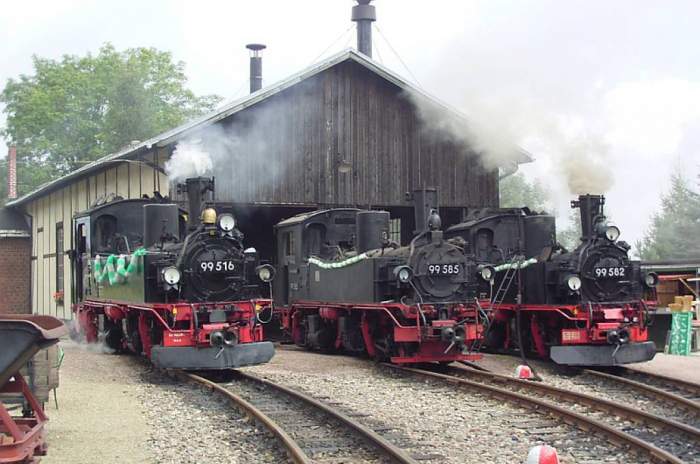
[(685, 385), (613, 435), (591, 401), (685, 403), (396, 453), (297, 455)]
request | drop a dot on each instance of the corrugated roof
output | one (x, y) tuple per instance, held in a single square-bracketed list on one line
[(168, 137)]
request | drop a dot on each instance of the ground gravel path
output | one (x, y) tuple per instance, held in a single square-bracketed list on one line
[(116, 409), (100, 416)]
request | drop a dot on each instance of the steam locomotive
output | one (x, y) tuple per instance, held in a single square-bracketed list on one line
[(179, 288), (344, 286), (579, 307)]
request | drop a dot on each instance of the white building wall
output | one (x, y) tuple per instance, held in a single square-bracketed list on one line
[(129, 180)]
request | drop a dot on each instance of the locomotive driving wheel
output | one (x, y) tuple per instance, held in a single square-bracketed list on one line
[(113, 335)]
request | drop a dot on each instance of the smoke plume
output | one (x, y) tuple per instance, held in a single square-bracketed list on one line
[(246, 154), (499, 130), (188, 160)]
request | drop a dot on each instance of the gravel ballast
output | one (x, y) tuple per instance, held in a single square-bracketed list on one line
[(434, 422)]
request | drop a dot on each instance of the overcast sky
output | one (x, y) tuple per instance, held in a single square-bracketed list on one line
[(618, 82)]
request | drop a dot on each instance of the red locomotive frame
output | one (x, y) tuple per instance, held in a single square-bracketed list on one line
[(584, 325), (177, 327), (427, 335)]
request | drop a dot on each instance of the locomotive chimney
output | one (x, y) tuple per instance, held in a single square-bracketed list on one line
[(591, 209), (197, 188), (255, 66), (364, 15), (12, 172), (425, 202)]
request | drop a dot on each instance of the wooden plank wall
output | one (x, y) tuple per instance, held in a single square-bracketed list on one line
[(287, 149)]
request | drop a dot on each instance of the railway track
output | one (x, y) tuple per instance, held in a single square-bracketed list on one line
[(664, 400), (656, 438), (311, 431), (675, 391)]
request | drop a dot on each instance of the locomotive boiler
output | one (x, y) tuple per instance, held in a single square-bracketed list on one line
[(175, 285), (344, 286), (578, 307)]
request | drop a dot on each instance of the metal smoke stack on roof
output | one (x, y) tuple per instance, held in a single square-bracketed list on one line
[(12, 172), (255, 65), (364, 15)]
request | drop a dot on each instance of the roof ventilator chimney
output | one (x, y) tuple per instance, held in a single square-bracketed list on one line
[(12, 173), (364, 15), (255, 66)]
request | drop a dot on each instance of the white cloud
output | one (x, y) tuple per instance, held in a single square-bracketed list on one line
[(650, 118)]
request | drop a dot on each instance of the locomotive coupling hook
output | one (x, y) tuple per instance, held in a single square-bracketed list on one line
[(618, 337)]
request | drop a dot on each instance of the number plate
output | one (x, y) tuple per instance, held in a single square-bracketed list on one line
[(444, 269), (217, 266), (609, 272)]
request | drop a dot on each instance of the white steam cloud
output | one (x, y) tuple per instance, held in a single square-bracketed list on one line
[(188, 160), (246, 154), (498, 130)]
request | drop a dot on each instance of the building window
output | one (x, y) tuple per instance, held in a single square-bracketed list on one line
[(59, 261), (395, 230)]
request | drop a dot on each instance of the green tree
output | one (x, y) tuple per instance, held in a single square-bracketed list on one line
[(570, 237), (516, 191), (675, 230), (77, 109)]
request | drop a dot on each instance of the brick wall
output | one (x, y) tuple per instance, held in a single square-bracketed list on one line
[(15, 275)]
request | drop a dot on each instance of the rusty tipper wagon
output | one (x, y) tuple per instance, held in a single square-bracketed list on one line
[(21, 337)]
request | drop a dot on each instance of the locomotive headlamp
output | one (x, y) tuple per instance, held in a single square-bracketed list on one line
[(265, 272), (227, 222), (487, 273), (403, 274), (612, 233), (171, 275), (651, 279), (574, 283)]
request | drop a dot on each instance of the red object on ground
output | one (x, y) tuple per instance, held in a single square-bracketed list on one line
[(21, 337), (542, 454), (523, 372)]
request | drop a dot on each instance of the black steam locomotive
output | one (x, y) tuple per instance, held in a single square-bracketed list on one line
[(579, 307), (344, 285), (176, 286)]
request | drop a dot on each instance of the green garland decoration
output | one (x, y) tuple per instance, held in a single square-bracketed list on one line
[(116, 271)]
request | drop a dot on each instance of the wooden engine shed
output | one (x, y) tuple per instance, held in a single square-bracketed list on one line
[(344, 132)]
